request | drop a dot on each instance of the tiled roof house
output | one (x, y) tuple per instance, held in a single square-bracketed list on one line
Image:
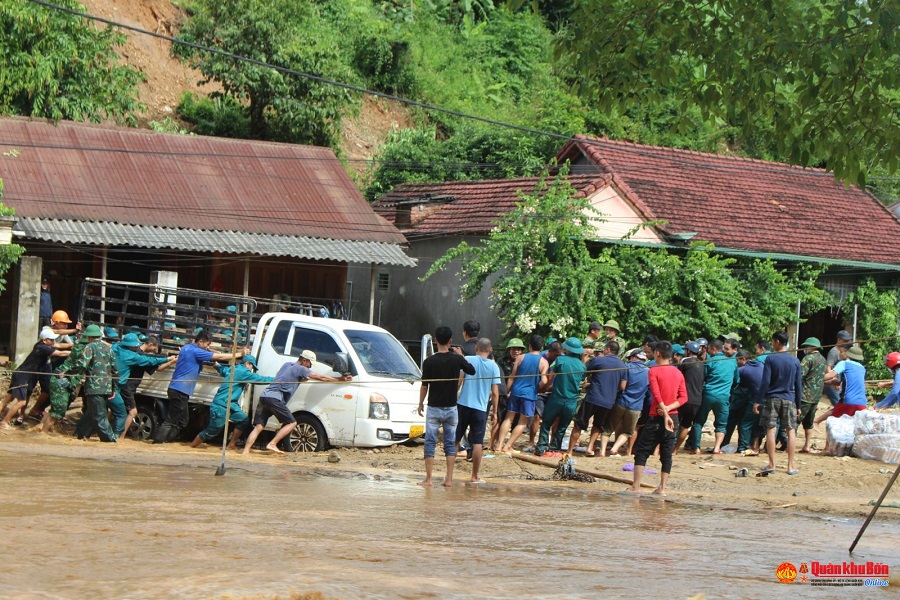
[(744, 207)]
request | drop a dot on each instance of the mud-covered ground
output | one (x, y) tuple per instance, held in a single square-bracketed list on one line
[(841, 487)]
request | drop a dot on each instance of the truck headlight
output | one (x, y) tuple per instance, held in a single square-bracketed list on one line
[(378, 407)]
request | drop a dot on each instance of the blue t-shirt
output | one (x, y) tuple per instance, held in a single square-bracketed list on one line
[(751, 376), (187, 368), (854, 386), (524, 386), (894, 396), (637, 388), (476, 389), (609, 372), (781, 379), (287, 380)]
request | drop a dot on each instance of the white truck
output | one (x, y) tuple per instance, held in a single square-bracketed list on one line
[(378, 407)]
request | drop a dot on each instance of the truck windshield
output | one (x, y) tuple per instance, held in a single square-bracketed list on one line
[(382, 355)]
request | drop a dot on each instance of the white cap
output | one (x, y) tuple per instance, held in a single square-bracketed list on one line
[(308, 355), (48, 334)]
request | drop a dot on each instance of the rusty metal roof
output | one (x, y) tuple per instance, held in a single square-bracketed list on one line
[(83, 183)]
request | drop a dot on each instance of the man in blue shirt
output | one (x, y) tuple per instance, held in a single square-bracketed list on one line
[(853, 383), (472, 405), (625, 414), (184, 380), (780, 394), (607, 378)]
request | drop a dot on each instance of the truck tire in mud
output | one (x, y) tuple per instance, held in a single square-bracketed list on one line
[(308, 435), (144, 426)]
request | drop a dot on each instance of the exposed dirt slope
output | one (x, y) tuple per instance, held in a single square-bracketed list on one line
[(167, 78)]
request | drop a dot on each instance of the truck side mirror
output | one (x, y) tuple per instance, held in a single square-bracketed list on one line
[(340, 364)]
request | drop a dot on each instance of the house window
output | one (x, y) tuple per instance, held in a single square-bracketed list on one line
[(384, 282)]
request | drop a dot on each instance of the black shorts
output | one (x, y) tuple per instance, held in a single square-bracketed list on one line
[(473, 420), (20, 386), (687, 413), (586, 412), (269, 407)]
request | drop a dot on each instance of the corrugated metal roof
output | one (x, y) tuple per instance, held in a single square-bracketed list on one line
[(108, 233), (76, 172)]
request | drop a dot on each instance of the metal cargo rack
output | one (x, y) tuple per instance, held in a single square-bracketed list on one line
[(174, 315)]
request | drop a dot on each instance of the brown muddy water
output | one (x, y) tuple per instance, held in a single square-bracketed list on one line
[(75, 528)]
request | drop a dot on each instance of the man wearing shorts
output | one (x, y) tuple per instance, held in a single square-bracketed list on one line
[(478, 391), (25, 377), (274, 399), (625, 413), (528, 375), (812, 368), (442, 376), (853, 383), (780, 394), (692, 368), (607, 378)]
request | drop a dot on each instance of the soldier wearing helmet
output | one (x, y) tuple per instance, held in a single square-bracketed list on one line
[(892, 362)]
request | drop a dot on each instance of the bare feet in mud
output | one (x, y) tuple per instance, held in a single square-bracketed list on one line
[(448, 483), (274, 449), (425, 483)]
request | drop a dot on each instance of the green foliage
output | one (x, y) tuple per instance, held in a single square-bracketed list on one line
[(220, 116), (10, 253), (824, 74), (168, 125), (287, 33), (58, 66), (549, 280), (879, 320)]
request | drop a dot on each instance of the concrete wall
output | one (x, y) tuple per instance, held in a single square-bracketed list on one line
[(410, 308), (26, 307)]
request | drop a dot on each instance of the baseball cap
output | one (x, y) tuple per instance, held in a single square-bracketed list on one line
[(48, 334), (844, 335), (636, 353), (308, 355), (677, 349), (594, 325)]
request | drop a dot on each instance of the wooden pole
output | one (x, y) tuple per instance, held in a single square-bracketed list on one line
[(549, 462), (887, 488), (233, 364)]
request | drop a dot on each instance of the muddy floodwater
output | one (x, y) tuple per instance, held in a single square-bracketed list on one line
[(75, 528)]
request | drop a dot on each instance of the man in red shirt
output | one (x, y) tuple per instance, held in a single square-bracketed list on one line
[(669, 393)]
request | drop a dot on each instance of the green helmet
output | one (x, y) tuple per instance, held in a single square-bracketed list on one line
[(515, 343)]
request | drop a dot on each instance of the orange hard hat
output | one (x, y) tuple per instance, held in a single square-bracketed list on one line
[(61, 316)]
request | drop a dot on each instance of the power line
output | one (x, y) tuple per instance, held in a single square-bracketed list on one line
[(620, 146)]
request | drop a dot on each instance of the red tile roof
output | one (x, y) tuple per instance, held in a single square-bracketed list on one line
[(745, 204), (139, 177), (475, 205)]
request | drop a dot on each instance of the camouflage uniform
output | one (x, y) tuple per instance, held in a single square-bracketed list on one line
[(99, 365), (64, 390), (812, 369)]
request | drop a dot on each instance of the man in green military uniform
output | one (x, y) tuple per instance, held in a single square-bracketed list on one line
[(64, 387), (612, 330), (812, 370), (98, 365)]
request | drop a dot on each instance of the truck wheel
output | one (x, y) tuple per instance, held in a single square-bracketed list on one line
[(144, 425), (308, 435)]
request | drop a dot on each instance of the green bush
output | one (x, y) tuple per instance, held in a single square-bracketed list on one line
[(220, 116)]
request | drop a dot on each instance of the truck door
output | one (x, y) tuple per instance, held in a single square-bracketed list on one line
[(334, 404)]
